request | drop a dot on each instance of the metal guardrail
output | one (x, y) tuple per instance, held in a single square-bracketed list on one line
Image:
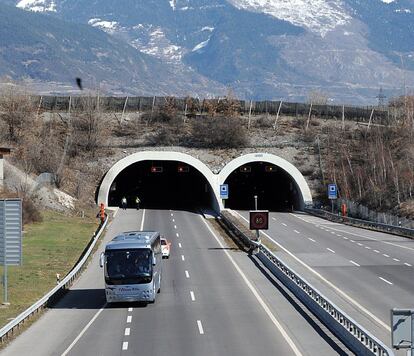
[(354, 336), (9, 329), (396, 230)]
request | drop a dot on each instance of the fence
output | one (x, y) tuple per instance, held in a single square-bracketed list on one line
[(359, 211), (200, 106)]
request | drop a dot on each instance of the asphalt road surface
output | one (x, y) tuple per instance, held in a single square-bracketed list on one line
[(366, 272), (214, 300)]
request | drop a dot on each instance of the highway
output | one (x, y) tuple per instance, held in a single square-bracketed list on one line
[(367, 273), (214, 300)]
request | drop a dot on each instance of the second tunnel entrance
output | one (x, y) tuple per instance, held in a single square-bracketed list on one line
[(275, 188)]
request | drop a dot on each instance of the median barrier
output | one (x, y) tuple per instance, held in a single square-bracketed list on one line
[(351, 334), (52, 296)]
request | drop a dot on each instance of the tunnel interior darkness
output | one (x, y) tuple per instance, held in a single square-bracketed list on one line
[(161, 185), (275, 188)]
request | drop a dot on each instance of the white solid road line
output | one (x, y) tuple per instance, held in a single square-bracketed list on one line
[(182, 257), (125, 345), (83, 331), (354, 263), (129, 319), (383, 279), (256, 294), (330, 250), (143, 219), (179, 245), (200, 327), (296, 231), (187, 274), (340, 291), (311, 239), (192, 296), (127, 331)]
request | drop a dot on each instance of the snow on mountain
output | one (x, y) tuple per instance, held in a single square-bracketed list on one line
[(152, 40), (37, 5), (319, 16)]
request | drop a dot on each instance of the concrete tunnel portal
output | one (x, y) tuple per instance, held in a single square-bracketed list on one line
[(173, 180)]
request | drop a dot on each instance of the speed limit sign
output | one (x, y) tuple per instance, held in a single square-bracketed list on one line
[(259, 220)]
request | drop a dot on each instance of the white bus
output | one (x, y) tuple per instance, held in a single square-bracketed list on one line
[(132, 265)]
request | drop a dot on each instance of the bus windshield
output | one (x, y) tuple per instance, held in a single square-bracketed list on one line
[(128, 266)]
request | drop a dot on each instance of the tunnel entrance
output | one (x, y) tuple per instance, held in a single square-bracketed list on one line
[(275, 188), (162, 185)]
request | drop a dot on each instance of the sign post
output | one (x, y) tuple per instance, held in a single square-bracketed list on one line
[(10, 237), (224, 191), (332, 194), (259, 220)]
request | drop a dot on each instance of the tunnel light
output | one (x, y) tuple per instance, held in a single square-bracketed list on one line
[(270, 169), (183, 169), (245, 169), (156, 169)]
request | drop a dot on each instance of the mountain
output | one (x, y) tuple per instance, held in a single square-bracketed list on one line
[(262, 49), (51, 53)]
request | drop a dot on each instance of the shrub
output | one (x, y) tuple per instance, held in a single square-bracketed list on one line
[(218, 132)]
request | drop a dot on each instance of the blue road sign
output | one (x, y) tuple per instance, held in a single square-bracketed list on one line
[(224, 191), (332, 191)]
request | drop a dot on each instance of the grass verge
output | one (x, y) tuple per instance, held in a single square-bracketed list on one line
[(50, 247)]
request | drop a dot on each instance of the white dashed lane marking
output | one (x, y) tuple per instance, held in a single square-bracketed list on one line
[(383, 279), (187, 274), (182, 257), (359, 244), (200, 327), (385, 255), (354, 263), (177, 234), (311, 239), (130, 309), (179, 245), (129, 319), (284, 224), (396, 259), (330, 250), (407, 264), (368, 248), (125, 345), (127, 331), (376, 251), (296, 231), (192, 296), (175, 226)]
